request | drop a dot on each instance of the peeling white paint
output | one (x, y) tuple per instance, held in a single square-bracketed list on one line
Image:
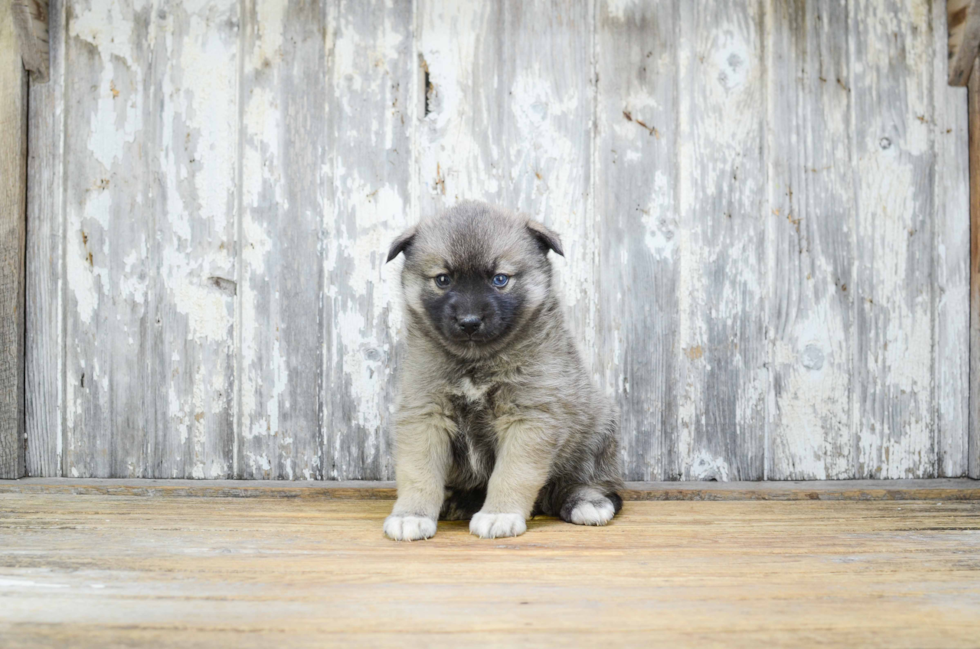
[(707, 467), (111, 34), (280, 375), (660, 219), (81, 277), (269, 20)]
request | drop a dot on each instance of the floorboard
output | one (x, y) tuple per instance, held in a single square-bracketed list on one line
[(941, 489), (123, 570)]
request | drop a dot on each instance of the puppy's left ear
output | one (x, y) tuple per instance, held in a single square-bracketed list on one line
[(547, 239), (401, 243)]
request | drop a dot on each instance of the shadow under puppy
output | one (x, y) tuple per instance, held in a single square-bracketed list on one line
[(497, 420)]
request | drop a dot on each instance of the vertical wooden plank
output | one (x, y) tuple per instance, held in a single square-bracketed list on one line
[(44, 373), (285, 148), (722, 377), (507, 118), (371, 116), (191, 135), (811, 228), (973, 446), (13, 183), (891, 84), (951, 284), (637, 272), (150, 145), (105, 358)]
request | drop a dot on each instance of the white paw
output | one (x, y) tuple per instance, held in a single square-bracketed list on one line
[(409, 528), (495, 526), (598, 512)]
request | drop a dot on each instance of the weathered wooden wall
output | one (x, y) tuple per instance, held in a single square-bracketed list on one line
[(764, 205)]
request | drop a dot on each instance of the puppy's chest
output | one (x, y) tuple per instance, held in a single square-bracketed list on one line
[(473, 404), (475, 393), (474, 446)]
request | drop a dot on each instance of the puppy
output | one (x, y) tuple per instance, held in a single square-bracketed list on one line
[(496, 420)]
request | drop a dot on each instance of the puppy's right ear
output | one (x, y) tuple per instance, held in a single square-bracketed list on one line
[(547, 239), (401, 243)]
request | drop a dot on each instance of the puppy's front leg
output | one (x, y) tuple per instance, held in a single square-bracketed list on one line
[(421, 461), (523, 461)]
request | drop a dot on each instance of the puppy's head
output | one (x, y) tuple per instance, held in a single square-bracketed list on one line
[(474, 275)]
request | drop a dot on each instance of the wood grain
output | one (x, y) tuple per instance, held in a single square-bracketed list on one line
[(104, 368), (974, 398), (951, 234), (865, 490), (372, 115), (190, 346), (722, 376), (109, 571), (894, 165), (810, 224), (284, 140), (150, 354), (636, 186), (45, 344), (13, 227)]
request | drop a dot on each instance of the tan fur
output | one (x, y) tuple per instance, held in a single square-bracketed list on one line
[(520, 403)]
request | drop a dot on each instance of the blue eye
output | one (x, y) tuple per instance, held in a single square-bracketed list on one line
[(442, 281), (500, 280)]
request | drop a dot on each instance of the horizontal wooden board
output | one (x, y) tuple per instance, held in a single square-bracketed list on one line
[(936, 489), (215, 572)]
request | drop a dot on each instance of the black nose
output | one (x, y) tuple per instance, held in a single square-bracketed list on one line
[(470, 324)]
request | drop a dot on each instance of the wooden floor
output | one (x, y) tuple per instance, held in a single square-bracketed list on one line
[(119, 570)]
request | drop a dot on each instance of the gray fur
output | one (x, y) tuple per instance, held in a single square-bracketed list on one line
[(497, 420)]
